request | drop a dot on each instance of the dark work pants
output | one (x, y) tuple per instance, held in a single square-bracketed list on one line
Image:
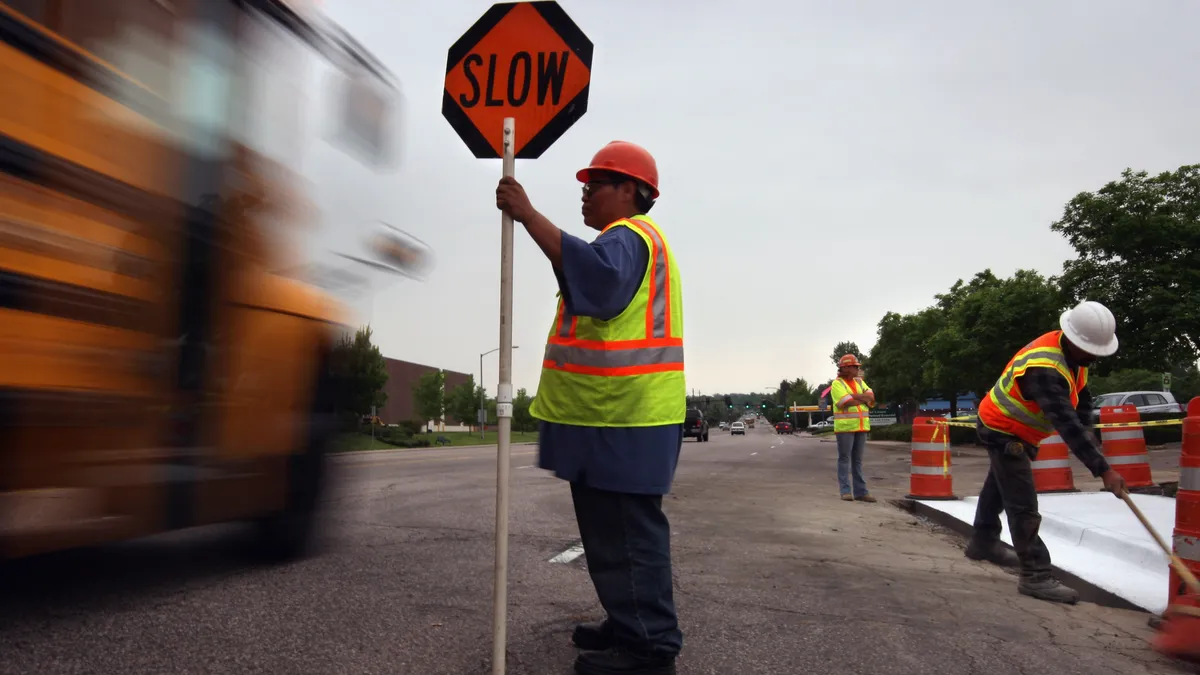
[(627, 544), (1009, 487)]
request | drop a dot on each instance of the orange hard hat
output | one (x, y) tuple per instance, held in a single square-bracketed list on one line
[(625, 158), (848, 360)]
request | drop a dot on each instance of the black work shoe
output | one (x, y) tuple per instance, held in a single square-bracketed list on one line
[(595, 636), (617, 662), (1047, 588), (993, 552)]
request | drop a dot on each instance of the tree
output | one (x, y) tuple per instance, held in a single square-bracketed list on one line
[(461, 403), (801, 393), (1185, 382), (1138, 247), (844, 348), (429, 396), (362, 370), (898, 359), (522, 420), (984, 323), (775, 414)]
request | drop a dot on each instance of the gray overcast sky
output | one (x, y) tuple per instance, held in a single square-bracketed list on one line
[(821, 163)]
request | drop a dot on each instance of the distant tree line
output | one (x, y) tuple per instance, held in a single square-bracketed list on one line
[(1137, 246)]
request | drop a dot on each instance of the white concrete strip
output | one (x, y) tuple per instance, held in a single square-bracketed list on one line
[(569, 554), (1096, 537)]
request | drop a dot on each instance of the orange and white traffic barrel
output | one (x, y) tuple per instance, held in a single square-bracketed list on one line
[(1052, 468), (1125, 447), (1186, 535), (930, 476)]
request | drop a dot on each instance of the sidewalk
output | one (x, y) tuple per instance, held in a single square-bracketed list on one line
[(1096, 537)]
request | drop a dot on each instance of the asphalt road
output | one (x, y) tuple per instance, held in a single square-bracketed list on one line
[(774, 574)]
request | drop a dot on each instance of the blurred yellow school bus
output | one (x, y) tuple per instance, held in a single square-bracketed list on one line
[(155, 372)]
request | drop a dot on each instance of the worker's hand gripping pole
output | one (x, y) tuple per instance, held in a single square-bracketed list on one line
[(504, 418)]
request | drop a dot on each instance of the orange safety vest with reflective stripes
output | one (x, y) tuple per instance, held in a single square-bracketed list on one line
[(849, 418), (1004, 409), (625, 372)]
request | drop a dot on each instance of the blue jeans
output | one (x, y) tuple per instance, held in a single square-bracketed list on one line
[(850, 447), (1010, 488), (627, 544)]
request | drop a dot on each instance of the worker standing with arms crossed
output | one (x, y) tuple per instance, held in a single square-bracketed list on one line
[(1043, 390), (612, 401), (852, 403)]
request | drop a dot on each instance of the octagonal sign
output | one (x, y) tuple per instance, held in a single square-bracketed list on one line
[(525, 60)]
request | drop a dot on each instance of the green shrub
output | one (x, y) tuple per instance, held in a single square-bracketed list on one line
[(1162, 435), (411, 428), (891, 432), (394, 435)]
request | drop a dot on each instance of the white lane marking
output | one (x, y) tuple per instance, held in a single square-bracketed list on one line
[(527, 466), (569, 554), (753, 454)]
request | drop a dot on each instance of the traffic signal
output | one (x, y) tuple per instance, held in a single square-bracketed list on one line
[(728, 401)]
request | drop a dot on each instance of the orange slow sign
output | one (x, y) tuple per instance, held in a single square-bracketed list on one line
[(525, 60)]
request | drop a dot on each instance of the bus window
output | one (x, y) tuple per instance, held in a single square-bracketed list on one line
[(363, 120), (135, 36), (36, 10)]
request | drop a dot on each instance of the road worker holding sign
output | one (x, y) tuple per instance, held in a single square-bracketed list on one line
[(612, 400), (1042, 391)]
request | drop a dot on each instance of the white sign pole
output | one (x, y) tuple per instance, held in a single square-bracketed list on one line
[(504, 419)]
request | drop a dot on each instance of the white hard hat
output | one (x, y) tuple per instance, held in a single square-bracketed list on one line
[(1091, 327)]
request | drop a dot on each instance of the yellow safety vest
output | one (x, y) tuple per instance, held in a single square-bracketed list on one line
[(1004, 409), (849, 418), (625, 372)]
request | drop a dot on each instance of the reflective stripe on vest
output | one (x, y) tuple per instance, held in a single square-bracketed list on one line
[(1004, 409), (655, 354), (858, 416), (627, 371)]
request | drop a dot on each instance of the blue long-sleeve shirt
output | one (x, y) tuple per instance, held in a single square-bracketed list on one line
[(599, 280)]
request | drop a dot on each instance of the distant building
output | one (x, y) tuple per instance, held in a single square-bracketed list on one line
[(402, 376)]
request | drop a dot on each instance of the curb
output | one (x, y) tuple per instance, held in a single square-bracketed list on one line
[(1088, 592)]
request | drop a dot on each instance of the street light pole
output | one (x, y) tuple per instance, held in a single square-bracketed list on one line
[(482, 418)]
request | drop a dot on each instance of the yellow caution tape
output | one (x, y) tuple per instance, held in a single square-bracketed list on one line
[(1154, 423), (945, 449), (968, 425), (1110, 425)]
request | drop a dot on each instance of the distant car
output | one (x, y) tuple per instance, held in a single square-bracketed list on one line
[(722, 426), (737, 428), (695, 426), (1144, 401), (823, 424), (783, 428)]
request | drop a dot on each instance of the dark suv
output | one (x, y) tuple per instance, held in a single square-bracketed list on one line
[(695, 426), (783, 428)]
